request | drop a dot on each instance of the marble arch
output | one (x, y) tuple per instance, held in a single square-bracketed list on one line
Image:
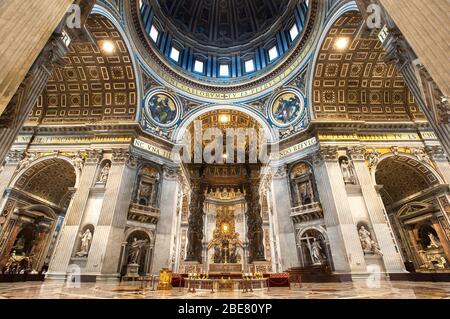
[(43, 159), (320, 229), (413, 162), (189, 118)]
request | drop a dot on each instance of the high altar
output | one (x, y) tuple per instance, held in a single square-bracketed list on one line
[(225, 251)]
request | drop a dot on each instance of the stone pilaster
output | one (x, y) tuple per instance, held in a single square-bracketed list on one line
[(106, 244), (165, 227), (284, 227), (342, 232), (70, 230), (380, 224)]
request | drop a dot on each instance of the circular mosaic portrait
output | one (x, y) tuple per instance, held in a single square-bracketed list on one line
[(286, 108), (162, 108)]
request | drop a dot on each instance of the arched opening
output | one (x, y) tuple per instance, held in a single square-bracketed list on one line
[(225, 192), (314, 250), (136, 254), (412, 195), (37, 202)]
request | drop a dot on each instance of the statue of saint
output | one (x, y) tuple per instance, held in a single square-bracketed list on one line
[(316, 252), (347, 173), (434, 242), (86, 239), (366, 240), (104, 174), (135, 250)]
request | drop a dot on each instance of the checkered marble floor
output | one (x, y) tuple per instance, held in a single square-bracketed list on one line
[(104, 290)]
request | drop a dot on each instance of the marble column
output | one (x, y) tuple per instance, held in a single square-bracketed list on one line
[(104, 254), (164, 229), (345, 246), (284, 226), (25, 27), (16, 112), (380, 224), (64, 248)]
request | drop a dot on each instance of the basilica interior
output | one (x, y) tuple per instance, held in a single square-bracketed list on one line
[(245, 146)]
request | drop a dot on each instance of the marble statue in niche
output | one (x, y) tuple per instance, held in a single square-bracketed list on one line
[(317, 255), (104, 174), (135, 250), (368, 245), (434, 242), (347, 171), (85, 243)]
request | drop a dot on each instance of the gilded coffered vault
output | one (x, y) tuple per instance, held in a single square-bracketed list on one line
[(355, 83), (93, 85)]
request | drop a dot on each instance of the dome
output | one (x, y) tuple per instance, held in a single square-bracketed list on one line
[(223, 23), (223, 50)]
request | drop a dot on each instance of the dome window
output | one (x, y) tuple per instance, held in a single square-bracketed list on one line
[(224, 70), (249, 66), (154, 33), (273, 53), (175, 54), (293, 32), (198, 66)]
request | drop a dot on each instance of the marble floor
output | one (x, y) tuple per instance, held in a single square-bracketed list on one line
[(104, 290)]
